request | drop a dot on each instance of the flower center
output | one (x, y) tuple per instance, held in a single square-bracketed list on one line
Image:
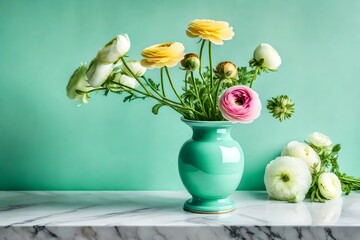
[(239, 102), (284, 177)]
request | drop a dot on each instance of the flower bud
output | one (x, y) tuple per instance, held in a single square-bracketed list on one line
[(266, 56), (136, 68), (329, 185), (113, 50), (97, 73), (191, 62), (126, 80), (319, 140), (226, 70)]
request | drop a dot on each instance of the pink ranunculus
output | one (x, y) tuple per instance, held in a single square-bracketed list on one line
[(240, 104)]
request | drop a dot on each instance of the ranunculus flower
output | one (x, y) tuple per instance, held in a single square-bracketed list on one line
[(319, 140), (288, 179), (270, 56), (164, 54), (214, 31), (97, 73), (240, 104), (136, 68), (114, 49), (304, 152), (329, 185), (78, 81)]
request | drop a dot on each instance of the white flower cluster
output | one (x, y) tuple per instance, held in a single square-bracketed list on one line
[(105, 63), (289, 177)]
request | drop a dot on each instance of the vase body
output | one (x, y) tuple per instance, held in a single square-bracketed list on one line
[(211, 165)]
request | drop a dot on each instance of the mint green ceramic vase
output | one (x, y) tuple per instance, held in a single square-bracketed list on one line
[(211, 165)]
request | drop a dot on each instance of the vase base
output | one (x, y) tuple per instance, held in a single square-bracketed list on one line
[(206, 206)]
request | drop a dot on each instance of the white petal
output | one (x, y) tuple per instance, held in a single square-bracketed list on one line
[(298, 183), (99, 73), (128, 81)]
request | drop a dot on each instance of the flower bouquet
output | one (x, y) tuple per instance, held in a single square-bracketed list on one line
[(110, 72), (308, 169), (210, 101)]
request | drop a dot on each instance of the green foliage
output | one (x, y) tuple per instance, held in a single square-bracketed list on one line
[(245, 76), (199, 94), (329, 162), (132, 96), (156, 107), (152, 84), (314, 191)]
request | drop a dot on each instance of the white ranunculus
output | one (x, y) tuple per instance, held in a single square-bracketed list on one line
[(304, 152), (329, 185), (126, 80), (137, 69), (115, 49), (287, 178), (319, 140), (97, 73), (78, 81), (270, 56)]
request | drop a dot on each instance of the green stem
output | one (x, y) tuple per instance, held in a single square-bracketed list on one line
[(217, 93), (211, 81), (200, 57), (210, 65), (172, 86), (162, 81), (134, 76), (254, 77), (164, 101), (92, 90), (197, 95), (186, 76), (157, 92)]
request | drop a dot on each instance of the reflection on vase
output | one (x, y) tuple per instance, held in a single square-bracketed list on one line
[(327, 212), (284, 213)]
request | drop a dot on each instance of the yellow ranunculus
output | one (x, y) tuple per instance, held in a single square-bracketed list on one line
[(214, 31), (164, 54)]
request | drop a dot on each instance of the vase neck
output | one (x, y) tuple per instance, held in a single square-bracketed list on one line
[(211, 133)]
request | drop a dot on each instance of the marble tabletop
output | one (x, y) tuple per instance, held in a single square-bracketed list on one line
[(159, 215)]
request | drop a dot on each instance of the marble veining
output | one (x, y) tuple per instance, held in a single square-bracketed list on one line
[(159, 215)]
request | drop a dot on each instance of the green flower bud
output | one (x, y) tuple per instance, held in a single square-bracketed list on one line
[(226, 70), (191, 62)]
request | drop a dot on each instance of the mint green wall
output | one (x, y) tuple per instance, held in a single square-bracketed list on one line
[(46, 142)]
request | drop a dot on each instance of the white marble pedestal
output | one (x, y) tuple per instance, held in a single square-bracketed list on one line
[(159, 216)]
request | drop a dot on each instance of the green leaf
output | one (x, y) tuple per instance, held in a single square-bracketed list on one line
[(153, 84), (127, 98), (156, 108), (336, 148)]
